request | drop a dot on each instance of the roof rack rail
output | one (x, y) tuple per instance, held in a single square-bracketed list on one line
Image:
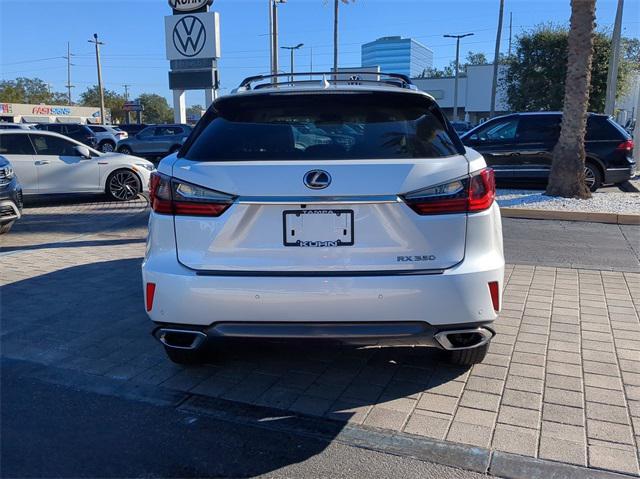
[(346, 77)]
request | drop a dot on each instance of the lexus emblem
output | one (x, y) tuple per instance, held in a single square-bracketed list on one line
[(189, 36), (317, 179)]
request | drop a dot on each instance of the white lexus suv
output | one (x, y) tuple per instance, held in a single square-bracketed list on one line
[(320, 208)]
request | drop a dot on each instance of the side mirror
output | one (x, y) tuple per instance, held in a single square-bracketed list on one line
[(83, 151)]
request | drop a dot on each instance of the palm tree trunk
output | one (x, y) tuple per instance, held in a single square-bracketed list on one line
[(567, 169)]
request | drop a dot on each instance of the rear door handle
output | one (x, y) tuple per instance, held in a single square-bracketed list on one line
[(42, 162)]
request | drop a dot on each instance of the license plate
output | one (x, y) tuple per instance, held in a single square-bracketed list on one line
[(318, 228)]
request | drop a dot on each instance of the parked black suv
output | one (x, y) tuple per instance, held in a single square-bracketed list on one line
[(78, 132), (10, 196), (518, 147), (132, 128)]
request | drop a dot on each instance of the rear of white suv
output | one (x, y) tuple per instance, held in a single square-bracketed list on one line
[(324, 211)]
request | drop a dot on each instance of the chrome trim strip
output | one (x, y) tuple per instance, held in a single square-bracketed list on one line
[(443, 340), (323, 200), (16, 211), (199, 337), (319, 274)]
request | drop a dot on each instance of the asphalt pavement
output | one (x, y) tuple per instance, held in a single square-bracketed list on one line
[(69, 432), (572, 244)]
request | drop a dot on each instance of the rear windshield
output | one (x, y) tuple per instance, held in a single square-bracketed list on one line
[(321, 126), (601, 128)]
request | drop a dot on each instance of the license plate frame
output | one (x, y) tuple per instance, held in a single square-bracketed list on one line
[(301, 243)]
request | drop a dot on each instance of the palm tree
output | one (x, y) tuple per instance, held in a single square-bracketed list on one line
[(567, 169)]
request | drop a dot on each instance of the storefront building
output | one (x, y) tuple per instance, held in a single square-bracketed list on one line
[(22, 113)]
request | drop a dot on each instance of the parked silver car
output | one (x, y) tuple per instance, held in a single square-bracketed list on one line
[(108, 136), (155, 141)]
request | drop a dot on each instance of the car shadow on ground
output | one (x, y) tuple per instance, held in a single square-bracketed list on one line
[(90, 319)]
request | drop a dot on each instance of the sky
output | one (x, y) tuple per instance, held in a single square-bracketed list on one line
[(34, 35)]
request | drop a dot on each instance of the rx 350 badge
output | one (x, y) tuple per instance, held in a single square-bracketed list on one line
[(426, 257)]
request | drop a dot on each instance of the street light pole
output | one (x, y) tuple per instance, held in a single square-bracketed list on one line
[(98, 43), (292, 50), (455, 86), (496, 62), (273, 35), (614, 58)]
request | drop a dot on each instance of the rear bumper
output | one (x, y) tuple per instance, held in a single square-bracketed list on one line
[(456, 296), (619, 175), (365, 333)]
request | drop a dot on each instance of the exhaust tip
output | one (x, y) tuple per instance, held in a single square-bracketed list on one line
[(180, 338), (464, 338)]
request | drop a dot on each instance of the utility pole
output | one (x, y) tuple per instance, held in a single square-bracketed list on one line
[(69, 64), (510, 25), (335, 36), (310, 62), (126, 98), (612, 76), (496, 61), (98, 43), (292, 50), (455, 85)]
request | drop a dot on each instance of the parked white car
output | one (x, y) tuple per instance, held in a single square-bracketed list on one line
[(108, 136), (17, 126), (49, 163), (381, 226)]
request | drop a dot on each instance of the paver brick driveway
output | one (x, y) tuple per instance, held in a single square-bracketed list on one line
[(561, 382)]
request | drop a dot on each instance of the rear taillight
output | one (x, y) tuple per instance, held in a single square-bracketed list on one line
[(176, 197), (471, 194), (626, 146)]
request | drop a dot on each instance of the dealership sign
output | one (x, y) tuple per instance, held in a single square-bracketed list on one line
[(192, 36), (188, 5)]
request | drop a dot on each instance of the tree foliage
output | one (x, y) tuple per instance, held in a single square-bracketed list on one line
[(114, 101), (29, 90), (535, 79), (473, 58), (156, 108)]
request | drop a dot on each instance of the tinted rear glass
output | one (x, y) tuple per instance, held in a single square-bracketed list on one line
[(322, 126), (601, 128), (539, 128), (15, 145)]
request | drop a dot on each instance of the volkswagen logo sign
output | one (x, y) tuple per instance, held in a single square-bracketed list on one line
[(317, 179), (189, 36)]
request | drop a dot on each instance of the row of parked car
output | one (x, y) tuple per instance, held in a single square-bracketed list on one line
[(149, 141), (42, 162)]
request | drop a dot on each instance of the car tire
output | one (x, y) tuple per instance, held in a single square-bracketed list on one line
[(125, 150), (5, 228), (593, 176), (123, 185), (469, 357), (184, 356), (107, 147)]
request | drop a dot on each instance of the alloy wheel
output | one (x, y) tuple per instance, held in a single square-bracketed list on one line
[(123, 185), (589, 177), (107, 147)]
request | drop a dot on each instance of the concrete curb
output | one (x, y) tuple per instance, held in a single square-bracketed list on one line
[(609, 218), (462, 456)]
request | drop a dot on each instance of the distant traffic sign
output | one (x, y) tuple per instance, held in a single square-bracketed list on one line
[(133, 106)]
